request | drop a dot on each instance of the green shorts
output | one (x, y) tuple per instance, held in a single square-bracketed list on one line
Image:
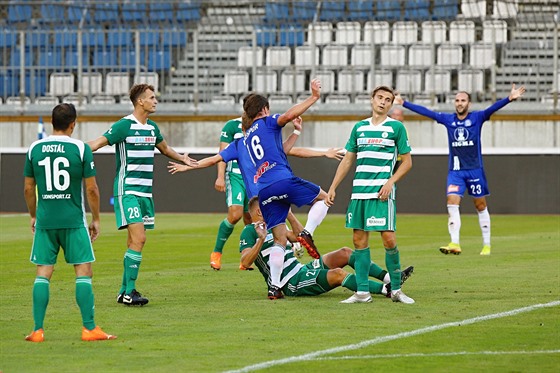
[(310, 280), (236, 195), (75, 242), (130, 209), (372, 215)]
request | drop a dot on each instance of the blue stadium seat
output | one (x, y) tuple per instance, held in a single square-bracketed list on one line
[(15, 58), (8, 38), (120, 37), (276, 12), (19, 13), (291, 35), (159, 60), (305, 11), (187, 12), (361, 10), (149, 38), (65, 38), (50, 59), (106, 12), (9, 83), (36, 83), (417, 10), (161, 12), (332, 11), (53, 13), (128, 59), (388, 10), (104, 59), (34, 39), (76, 13), (93, 38), (134, 11), (266, 35), (174, 38), (71, 61), (445, 9)]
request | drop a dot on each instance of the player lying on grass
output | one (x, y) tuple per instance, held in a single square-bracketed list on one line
[(316, 277)]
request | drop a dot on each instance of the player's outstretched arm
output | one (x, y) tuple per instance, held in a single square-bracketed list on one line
[(332, 153), (516, 92), (174, 167), (169, 152), (300, 108)]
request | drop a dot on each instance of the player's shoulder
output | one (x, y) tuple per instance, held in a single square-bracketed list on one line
[(233, 124)]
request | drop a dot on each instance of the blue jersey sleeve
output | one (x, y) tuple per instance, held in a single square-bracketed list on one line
[(230, 152), (437, 116), (495, 107)]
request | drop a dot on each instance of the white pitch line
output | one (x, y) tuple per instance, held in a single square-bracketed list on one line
[(378, 340), (435, 354)]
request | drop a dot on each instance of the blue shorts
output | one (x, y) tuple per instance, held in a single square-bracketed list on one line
[(275, 200), (474, 181)]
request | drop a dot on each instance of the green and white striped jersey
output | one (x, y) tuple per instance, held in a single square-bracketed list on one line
[(134, 154), (58, 164), (248, 239), (376, 148), (232, 130)]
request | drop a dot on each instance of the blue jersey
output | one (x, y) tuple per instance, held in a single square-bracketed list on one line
[(236, 151), (264, 144), (463, 135)]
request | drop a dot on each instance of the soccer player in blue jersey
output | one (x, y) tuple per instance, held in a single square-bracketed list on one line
[(278, 187), (466, 171)]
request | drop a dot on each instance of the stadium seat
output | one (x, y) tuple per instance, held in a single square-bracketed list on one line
[(187, 12), (266, 35), (37, 39), (361, 55), (160, 12), (332, 11), (77, 11), (327, 80), (53, 13), (149, 38), (445, 9), (348, 33), (128, 59), (9, 83), (35, 83), (174, 38), (437, 82), (51, 59), (18, 12), (434, 31), (417, 10), (405, 32), (265, 82), (47, 100), (494, 31), (291, 35), (104, 59), (15, 58), (304, 11), (350, 81), (292, 82), (392, 56), (319, 33), (61, 84), (159, 60), (379, 77), (482, 55), (106, 12), (504, 9), (335, 56), (16, 100), (278, 57), (473, 8), (66, 38), (119, 38), (91, 83), (450, 55), (364, 99), (471, 81), (249, 56), (420, 56), (462, 32), (117, 84), (93, 38), (133, 11), (103, 100), (376, 32), (236, 82), (277, 12), (388, 10), (280, 99), (146, 77), (304, 57), (75, 99), (8, 38), (337, 99), (409, 81), (360, 10)]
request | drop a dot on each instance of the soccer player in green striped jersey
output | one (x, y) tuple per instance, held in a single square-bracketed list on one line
[(54, 170), (374, 145), (135, 137)]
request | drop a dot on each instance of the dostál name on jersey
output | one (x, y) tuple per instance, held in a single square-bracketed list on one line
[(57, 196), (457, 144), (53, 148)]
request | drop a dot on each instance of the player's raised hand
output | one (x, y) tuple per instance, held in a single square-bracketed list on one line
[(398, 99), (189, 161), (316, 88), (335, 153), (516, 93), (298, 123), (260, 228)]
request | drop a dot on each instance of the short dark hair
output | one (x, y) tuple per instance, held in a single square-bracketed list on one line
[(62, 116), (252, 202), (137, 90), (465, 92), (383, 88), (252, 105)]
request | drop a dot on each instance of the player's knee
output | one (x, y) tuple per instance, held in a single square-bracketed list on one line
[(336, 276)]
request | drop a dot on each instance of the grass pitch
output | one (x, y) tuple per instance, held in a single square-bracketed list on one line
[(472, 313)]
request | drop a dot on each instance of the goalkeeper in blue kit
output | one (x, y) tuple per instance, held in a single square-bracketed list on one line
[(466, 170)]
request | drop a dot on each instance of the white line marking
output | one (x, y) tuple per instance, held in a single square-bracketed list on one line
[(459, 353), (356, 346)]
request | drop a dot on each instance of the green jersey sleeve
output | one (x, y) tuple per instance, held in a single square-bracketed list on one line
[(403, 145), (118, 131), (248, 237), (89, 164)]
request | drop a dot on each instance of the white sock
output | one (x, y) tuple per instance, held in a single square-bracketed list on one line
[(387, 278), (454, 223), (276, 263), (484, 221), (315, 216)]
